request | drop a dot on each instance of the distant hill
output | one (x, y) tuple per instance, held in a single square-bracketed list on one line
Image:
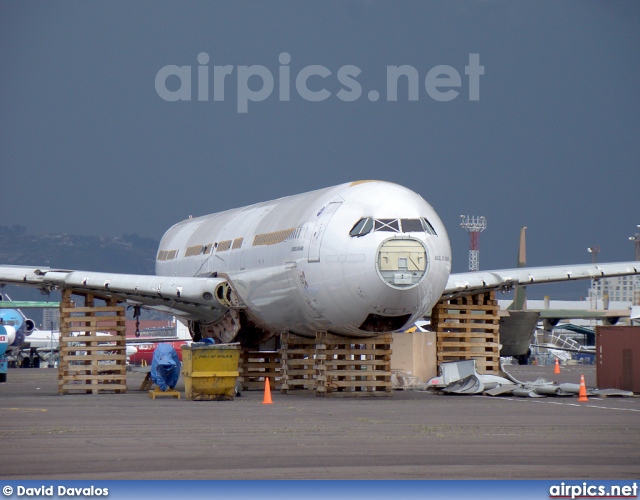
[(127, 254)]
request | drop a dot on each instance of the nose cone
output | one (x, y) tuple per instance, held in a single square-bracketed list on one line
[(12, 337)]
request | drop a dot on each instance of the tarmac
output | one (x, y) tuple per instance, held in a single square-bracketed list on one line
[(410, 435)]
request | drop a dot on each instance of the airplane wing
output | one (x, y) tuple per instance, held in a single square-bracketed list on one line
[(192, 298), (582, 350), (460, 284)]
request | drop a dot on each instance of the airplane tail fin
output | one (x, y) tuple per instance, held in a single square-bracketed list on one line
[(520, 296)]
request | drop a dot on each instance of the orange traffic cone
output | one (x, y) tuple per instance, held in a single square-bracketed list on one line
[(556, 370), (267, 393), (582, 395)]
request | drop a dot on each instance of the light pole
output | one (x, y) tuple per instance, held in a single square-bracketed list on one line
[(636, 238), (594, 251), (636, 291)]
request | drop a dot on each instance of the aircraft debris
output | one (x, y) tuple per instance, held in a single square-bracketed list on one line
[(523, 392), (608, 393), (461, 377)]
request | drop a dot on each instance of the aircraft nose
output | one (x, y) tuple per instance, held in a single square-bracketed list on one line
[(12, 336)]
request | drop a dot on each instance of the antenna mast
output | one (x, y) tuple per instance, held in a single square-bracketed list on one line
[(594, 251), (474, 225)]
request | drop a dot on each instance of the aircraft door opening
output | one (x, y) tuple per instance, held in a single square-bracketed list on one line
[(402, 263), (318, 232), (297, 281)]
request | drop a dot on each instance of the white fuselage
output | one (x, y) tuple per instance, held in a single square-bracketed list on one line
[(296, 267)]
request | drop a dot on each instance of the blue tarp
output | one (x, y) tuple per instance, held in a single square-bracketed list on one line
[(165, 367)]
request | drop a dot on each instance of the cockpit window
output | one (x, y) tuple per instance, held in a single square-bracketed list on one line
[(362, 227), (412, 226), (428, 227), (366, 224), (392, 225)]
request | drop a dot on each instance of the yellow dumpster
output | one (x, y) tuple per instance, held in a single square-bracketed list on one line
[(210, 371)]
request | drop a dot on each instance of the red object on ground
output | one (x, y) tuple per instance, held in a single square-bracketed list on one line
[(146, 348)]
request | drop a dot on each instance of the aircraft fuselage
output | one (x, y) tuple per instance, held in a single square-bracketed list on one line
[(356, 259)]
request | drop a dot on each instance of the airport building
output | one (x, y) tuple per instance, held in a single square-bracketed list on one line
[(618, 289), (51, 319)]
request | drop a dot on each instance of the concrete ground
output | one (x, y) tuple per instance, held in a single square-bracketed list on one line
[(411, 435)]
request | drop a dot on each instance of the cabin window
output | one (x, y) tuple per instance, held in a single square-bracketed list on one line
[(167, 254), (273, 238), (223, 246), (193, 250)]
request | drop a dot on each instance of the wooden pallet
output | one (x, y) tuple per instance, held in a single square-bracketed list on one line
[(337, 366), (169, 393), (147, 383), (468, 328), (254, 366), (90, 363)]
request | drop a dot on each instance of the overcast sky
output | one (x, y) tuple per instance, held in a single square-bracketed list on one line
[(89, 146)]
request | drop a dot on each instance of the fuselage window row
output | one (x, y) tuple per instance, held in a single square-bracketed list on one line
[(223, 246), (167, 254)]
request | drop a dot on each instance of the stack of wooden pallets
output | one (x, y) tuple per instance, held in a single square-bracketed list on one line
[(353, 367), (89, 362), (337, 366), (468, 328)]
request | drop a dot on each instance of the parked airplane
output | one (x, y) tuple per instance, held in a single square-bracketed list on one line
[(28, 345), (10, 316), (356, 259), (24, 338)]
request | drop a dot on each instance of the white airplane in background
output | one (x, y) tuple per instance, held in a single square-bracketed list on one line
[(357, 260), (21, 327)]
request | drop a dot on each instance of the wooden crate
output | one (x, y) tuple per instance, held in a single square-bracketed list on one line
[(90, 363), (254, 366), (468, 328), (353, 367)]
